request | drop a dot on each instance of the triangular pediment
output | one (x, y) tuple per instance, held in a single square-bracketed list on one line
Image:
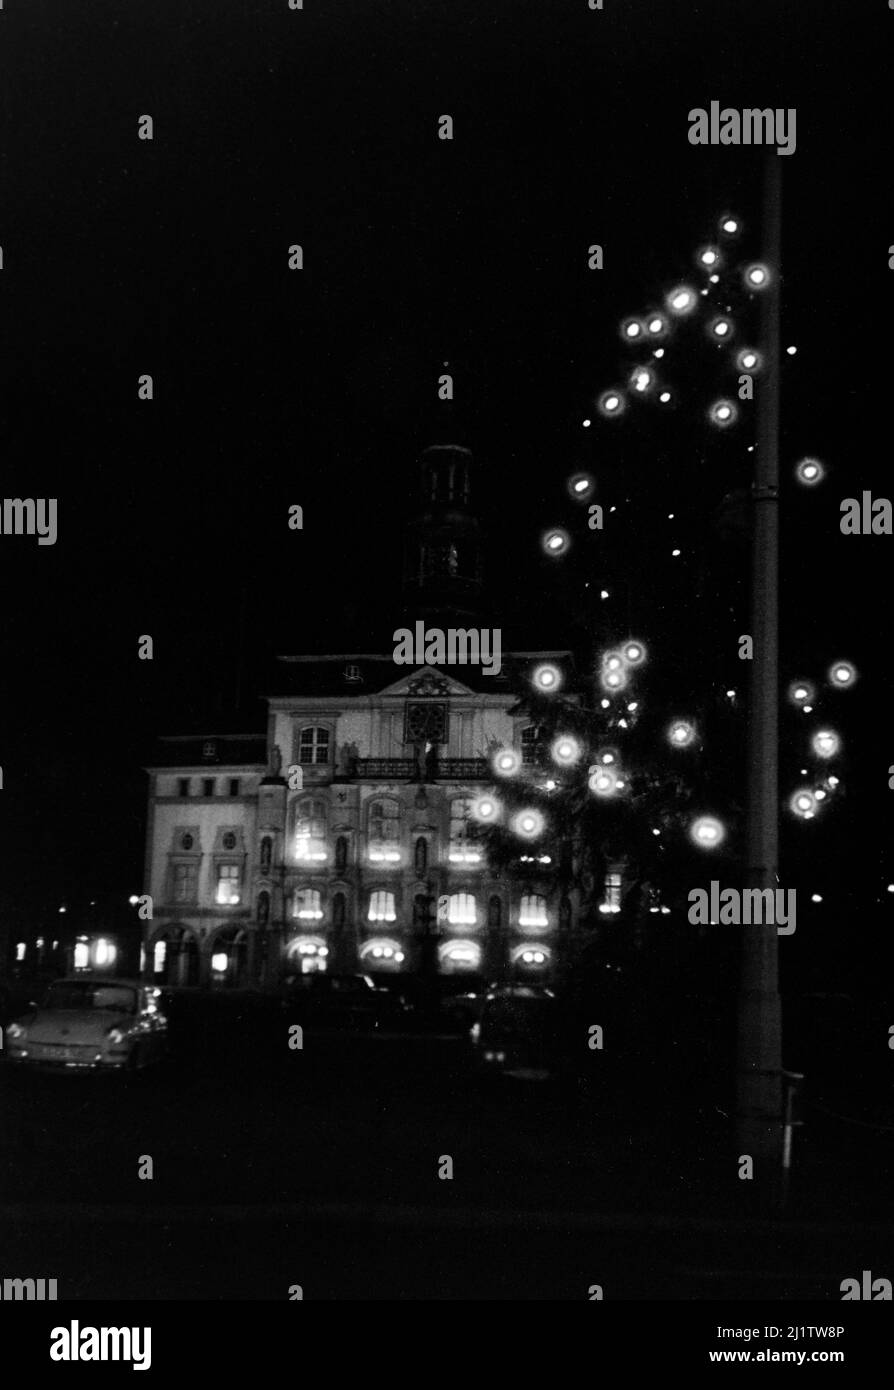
[(427, 683)]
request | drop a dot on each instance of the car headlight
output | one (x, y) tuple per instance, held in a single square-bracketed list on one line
[(15, 1030), (115, 1036)]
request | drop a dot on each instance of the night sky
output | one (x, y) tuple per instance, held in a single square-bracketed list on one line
[(320, 387)]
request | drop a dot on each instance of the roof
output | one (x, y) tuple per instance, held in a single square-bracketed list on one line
[(372, 674), (210, 750)]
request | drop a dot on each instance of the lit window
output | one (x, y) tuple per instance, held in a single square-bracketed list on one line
[(533, 911), (313, 746), (612, 900), (81, 956), (184, 883), (463, 833), (158, 957), (381, 907), (310, 831), (228, 884), (530, 738), (306, 905), (462, 910), (384, 832), (20, 950)]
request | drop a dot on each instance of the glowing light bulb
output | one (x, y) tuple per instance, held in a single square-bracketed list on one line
[(580, 485), (613, 680), (556, 542), (729, 225), (603, 593), (675, 553), (842, 674), (803, 803), (641, 380), (708, 256), (566, 750), (816, 897), (825, 743), (631, 329), (810, 472), (528, 824), (791, 351), (507, 762), (486, 809), (800, 692), (681, 733), (657, 325), (681, 300), (707, 832), (612, 661), (722, 413), (586, 424), (547, 677), (603, 782), (664, 397), (611, 403), (721, 328), (749, 360), (757, 276)]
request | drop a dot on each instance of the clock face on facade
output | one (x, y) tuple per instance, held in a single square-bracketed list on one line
[(426, 723)]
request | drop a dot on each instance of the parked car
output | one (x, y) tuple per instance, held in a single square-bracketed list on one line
[(351, 1003), (91, 1023), (518, 1033)]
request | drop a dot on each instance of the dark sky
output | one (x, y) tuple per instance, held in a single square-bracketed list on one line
[(319, 388)]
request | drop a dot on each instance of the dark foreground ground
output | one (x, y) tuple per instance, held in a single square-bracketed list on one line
[(320, 1168)]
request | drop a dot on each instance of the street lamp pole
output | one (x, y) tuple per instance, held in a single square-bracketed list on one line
[(759, 1041)]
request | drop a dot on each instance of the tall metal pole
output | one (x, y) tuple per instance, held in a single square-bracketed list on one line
[(759, 1043)]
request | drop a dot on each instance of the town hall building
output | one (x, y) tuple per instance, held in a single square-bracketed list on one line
[(349, 838)]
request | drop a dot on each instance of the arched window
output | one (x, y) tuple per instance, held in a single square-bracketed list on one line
[(530, 738), (420, 857), (338, 911), (495, 911), (533, 911), (381, 907), (462, 910), (383, 831), (306, 905), (341, 854), (463, 833), (313, 745), (266, 854), (310, 830)]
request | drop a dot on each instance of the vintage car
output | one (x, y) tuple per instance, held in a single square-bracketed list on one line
[(90, 1022)]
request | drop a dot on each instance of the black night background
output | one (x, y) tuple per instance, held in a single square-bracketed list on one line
[(272, 388)]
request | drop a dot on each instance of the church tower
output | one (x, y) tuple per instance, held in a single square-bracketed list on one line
[(443, 560)]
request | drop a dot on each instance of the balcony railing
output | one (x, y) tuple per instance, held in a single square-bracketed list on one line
[(408, 769)]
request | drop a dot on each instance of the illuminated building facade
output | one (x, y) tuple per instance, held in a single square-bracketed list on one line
[(347, 839)]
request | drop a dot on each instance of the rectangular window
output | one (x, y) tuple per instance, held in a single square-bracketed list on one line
[(310, 832), (381, 907), (185, 883), (183, 786), (207, 786), (306, 905), (228, 884), (533, 911), (384, 832), (463, 833), (313, 746), (462, 910), (234, 786), (612, 900)]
